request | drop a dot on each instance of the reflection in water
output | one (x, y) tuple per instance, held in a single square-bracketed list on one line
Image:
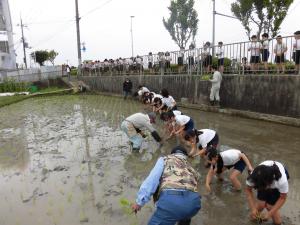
[(64, 160)]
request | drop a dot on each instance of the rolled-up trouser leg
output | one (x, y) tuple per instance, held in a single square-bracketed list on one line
[(135, 138), (217, 95), (212, 94), (137, 141)]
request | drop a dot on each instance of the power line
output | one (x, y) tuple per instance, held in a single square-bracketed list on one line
[(49, 22), (54, 35), (96, 8)]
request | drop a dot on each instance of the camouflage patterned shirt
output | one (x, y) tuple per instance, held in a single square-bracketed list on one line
[(178, 174)]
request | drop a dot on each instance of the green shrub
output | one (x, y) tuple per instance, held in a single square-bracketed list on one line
[(73, 72), (10, 85), (227, 62)]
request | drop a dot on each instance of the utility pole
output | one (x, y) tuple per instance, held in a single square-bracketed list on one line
[(78, 38), (132, 53), (214, 28), (24, 43), (214, 24)]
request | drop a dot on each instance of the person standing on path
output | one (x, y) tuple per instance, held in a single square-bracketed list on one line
[(280, 50), (254, 48), (220, 55), (215, 88), (127, 88), (173, 183), (296, 47)]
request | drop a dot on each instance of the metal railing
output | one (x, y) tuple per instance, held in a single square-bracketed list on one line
[(238, 59)]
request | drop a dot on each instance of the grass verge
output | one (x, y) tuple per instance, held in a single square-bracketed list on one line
[(8, 100)]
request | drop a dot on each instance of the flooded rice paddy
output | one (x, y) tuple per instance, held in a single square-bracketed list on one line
[(65, 161)]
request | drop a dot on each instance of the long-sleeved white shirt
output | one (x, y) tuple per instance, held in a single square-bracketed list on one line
[(141, 121), (217, 79)]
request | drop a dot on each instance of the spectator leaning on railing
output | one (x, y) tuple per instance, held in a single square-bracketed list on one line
[(150, 62), (168, 60), (180, 60), (279, 50), (187, 60), (296, 47), (265, 51), (254, 48), (220, 55), (207, 57)]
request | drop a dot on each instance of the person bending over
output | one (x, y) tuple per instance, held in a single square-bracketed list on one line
[(270, 179), (173, 183), (167, 101), (200, 140), (182, 123), (230, 159), (134, 125)]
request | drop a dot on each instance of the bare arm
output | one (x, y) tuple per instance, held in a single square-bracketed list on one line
[(209, 177), (160, 107), (181, 128), (280, 202), (193, 150), (251, 202), (246, 160)]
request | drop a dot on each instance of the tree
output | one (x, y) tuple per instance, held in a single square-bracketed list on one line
[(183, 21), (42, 56), (51, 56), (265, 15)]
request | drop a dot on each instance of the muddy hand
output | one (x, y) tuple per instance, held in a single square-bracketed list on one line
[(265, 216), (135, 208), (255, 215)]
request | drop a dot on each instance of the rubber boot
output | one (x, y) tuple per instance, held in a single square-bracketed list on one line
[(217, 103)]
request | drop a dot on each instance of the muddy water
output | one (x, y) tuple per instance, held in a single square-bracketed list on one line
[(64, 161)]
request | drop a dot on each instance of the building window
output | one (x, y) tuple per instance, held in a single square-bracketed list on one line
[(4, 46)]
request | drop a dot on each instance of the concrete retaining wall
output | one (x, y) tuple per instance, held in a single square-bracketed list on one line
[(32, 74), (278, 95)]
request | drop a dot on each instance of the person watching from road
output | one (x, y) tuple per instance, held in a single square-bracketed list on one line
[(127, 88), (215, 87)]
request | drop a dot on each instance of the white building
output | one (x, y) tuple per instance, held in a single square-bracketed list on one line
[(7, 51)]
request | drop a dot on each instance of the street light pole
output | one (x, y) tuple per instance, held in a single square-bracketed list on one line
[(78, 38), (214, 28), (132, 53), (214, 24)]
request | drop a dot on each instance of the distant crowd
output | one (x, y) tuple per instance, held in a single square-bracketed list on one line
[(193, 59)]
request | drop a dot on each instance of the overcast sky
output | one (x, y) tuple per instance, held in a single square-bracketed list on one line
[(105, 26)]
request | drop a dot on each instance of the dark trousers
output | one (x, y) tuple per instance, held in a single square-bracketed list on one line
[(176, 206), (126, 93)]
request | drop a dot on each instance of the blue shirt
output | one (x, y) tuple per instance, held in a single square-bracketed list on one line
[(151, 183)]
